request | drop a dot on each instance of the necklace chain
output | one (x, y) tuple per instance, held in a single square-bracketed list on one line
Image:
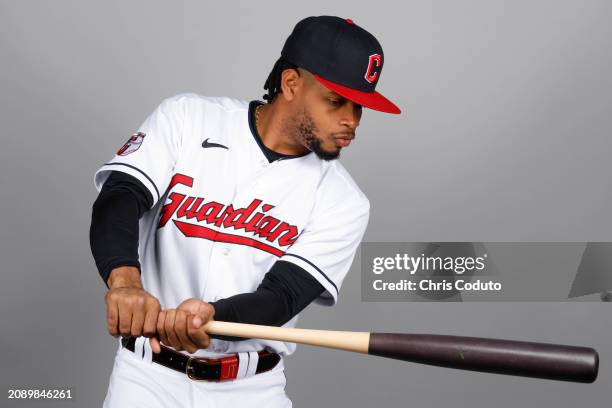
[(257, 116)]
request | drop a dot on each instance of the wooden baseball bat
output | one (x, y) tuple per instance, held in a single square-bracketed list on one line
[(519, 358)]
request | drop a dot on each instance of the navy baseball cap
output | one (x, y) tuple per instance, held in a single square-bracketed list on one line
[(342, 56)]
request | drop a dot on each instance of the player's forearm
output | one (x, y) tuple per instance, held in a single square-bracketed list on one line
[(114, 233), (260, 307)]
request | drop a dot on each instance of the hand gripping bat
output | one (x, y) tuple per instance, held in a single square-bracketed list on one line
[(519, 358)]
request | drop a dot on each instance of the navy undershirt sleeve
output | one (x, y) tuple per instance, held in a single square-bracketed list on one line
[(285, 290), (113, 234)]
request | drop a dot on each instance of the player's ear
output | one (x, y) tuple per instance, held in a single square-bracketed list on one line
[(290, 83)]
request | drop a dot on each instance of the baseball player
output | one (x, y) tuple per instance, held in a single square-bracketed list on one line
[(235, 211)]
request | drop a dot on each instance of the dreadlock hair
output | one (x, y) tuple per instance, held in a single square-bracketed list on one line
[(273, 83)]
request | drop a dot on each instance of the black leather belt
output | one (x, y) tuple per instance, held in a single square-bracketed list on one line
[(202, 368)]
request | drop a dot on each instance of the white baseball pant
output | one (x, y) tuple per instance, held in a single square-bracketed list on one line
[(137, 382)]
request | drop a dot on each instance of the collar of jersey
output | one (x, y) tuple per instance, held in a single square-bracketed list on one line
[(270, 154)]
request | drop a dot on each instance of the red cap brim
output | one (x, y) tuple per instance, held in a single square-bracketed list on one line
[(372, 100)]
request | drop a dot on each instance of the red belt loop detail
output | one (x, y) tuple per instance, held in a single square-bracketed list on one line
[(229, 368)]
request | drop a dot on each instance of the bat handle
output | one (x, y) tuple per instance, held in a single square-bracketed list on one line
[(538, 360)]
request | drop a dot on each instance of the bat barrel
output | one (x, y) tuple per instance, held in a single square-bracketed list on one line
[(538, 360)]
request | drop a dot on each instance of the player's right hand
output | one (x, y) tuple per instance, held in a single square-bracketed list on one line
[(130, 310), (183, 328)]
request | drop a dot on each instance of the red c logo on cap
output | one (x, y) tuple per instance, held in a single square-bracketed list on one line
[(374, 65)]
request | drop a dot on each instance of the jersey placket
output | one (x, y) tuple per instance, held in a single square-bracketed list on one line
[(221, 251)]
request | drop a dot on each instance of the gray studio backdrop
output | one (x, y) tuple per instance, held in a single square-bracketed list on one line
[(505, 136)]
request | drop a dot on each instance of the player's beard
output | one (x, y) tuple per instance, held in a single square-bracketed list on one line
[(304, 129)]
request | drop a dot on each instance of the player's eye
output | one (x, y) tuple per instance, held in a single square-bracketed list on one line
[(335, 101)]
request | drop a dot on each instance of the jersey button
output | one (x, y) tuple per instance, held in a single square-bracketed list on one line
[(226, 251)]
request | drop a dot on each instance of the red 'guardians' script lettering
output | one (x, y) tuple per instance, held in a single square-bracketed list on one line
[(252, 219)]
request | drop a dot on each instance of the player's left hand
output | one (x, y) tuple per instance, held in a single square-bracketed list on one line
[(183, 328)]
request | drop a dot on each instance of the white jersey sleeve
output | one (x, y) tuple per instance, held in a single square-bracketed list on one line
[(151, 153), (327, 245)]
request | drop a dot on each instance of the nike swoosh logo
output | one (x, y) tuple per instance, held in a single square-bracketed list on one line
[(206, 144)]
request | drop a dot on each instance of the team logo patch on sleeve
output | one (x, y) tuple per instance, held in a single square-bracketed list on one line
[(132, 144)]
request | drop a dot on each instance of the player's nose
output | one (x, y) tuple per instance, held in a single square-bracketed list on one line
[(351, 115)]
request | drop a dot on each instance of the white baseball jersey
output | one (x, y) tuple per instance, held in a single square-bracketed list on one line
[(223, 215)]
